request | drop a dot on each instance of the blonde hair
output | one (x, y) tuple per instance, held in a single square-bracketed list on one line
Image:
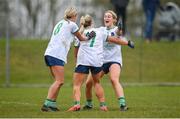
[(70, 12), (113, 15), (85, 21)]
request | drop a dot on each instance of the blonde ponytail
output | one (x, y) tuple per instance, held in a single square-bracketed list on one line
[(82, 22), (85, 22)]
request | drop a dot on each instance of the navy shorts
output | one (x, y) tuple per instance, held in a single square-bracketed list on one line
[(85, 69), (106, 66), (52, 61)]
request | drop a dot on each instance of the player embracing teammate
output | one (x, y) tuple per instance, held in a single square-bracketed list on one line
[(56, 53), (100, 55), (96, 46), (112, 63)]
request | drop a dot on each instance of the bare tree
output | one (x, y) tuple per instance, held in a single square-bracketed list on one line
[(33, 9), (53, 10)]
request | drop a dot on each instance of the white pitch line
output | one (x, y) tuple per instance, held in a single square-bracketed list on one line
[(19, 103), (106, 84)]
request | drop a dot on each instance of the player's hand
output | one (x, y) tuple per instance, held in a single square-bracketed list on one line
[(82, 20), (120, 25), (92, 34), (131, 44)]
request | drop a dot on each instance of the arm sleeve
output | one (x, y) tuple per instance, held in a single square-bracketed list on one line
[(75, 28), (76, 42)]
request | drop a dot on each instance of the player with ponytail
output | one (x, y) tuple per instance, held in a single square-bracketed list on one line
[(90, 57), (112, 63)]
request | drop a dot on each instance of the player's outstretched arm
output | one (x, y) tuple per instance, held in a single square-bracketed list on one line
[(120, 41), (81, 37)]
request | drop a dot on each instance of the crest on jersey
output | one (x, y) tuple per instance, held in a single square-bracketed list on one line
[(112, 34)]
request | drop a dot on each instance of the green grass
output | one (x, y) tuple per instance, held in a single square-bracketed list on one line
[(148, 63), (144, 102)]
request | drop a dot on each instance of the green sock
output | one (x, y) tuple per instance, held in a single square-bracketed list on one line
[(76, 102), (122, 101), (49, 102), (102, 104), (89, 102)]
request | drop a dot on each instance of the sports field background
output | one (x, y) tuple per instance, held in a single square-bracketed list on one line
[(146, 102), (150, 77), (150, 74), (158, 62)]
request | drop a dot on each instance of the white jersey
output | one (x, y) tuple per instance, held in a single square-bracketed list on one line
[(112, 52), (61, 39), (90, 52)]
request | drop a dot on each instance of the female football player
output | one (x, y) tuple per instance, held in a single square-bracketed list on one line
[(56, 54), (112, 62), (90, 57)]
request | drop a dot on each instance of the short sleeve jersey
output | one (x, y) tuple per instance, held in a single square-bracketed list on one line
[(61, 39), (91, 52), (112, 52)]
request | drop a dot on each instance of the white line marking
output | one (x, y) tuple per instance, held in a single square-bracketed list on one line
[(19, 103)]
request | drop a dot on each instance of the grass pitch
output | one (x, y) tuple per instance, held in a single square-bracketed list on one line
[(145, 102), (147, 63)]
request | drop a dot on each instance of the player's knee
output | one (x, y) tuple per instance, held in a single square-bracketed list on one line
[(76, 87), (60, 83)]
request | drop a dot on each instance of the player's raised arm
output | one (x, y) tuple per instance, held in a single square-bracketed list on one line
[(81, 30), (120, 41), (119, 31)]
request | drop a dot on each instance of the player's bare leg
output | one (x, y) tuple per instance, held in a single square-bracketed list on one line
[(114, 73), (99, 91), (77, 83), (89, 85), (50, 102)]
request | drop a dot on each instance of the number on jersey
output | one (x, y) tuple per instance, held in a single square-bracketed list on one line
[(92, 41), (56, 31)]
